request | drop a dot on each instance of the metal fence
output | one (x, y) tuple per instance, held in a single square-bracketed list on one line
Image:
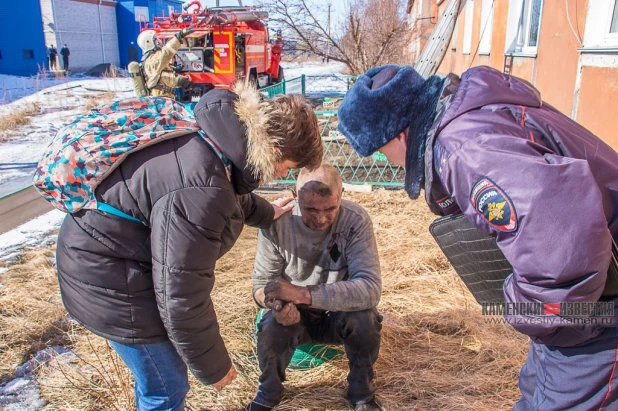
[(311, 85), (326, 92)]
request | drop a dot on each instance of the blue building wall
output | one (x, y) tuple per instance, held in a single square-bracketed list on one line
[(21, 32), (128, 28)]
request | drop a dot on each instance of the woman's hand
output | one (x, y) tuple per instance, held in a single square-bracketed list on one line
[(223, 382), (282, 205)]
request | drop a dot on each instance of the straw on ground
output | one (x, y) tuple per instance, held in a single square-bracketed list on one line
[(437, 352)]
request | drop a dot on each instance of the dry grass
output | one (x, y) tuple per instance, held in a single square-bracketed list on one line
[(437, 353), (99, 99), (21, 116)]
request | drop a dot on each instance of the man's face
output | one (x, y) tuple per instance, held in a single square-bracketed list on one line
[(395, 150), (319, 206)]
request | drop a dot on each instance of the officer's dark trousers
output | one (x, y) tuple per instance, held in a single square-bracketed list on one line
[(358, 331), (576, 378)]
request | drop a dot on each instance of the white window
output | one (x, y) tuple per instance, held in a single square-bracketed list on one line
[(601, 25), (487, 23), (612, 31), (528, 34), (523, 26), (467, 39)]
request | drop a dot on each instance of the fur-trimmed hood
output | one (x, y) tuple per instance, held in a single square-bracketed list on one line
[(237, 122), (262, 154)]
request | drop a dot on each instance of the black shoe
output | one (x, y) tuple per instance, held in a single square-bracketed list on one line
[(254, 406), (372, 405)]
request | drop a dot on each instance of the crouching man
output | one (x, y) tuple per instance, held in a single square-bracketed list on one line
[(317, 269)]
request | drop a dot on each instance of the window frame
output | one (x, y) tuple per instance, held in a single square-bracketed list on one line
[(468, 27), (525, 27), (597, 37), (608, 35), (487, 25)]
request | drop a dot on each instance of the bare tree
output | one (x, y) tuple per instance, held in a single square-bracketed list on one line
[(373, 32)]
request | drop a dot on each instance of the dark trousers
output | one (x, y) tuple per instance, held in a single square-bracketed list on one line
[(575, 378), (65, 62), (358, 331)]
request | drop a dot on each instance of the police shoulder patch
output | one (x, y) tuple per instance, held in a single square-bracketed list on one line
[(492, 203)]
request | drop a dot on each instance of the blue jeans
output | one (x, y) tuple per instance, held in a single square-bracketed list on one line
[(161, 381)]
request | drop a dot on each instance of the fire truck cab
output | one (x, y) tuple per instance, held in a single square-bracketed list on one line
[(228, 43)]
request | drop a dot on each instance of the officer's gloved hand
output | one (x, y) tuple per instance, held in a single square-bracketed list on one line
[(185, 32)]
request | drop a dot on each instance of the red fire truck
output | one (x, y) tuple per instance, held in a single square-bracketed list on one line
[(228, 43)]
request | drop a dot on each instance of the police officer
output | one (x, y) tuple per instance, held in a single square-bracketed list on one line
[(487, 146), (161, 79)]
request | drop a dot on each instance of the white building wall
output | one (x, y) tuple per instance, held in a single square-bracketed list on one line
[(88, 28), (48, 23)]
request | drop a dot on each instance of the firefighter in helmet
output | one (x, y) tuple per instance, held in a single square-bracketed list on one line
[(160, 77)]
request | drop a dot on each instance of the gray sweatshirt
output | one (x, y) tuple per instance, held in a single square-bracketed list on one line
[(341, 263)]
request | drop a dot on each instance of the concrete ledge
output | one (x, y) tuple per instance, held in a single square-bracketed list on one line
[(21, 206)]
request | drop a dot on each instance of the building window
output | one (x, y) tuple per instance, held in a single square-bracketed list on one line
[(487, 23), (28, 54), (523, 26), (613, 26), (528, 32), (601, 26), (467, 39)]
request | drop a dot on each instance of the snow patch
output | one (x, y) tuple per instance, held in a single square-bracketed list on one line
[(60, 103), (33, 234), (22, 393), (292, 69)]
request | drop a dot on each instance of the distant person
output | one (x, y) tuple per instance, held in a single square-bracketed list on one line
[(317, 269), (65, 53), (160, 76), (52, 53)]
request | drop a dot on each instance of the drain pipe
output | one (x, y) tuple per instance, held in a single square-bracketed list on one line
[(101, 32)]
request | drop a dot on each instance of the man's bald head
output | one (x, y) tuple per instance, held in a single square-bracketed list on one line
[(319, 196), (323, 181)]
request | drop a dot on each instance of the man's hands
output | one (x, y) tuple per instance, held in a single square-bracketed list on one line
[(281, 289), (285, 314), (282, 206), (281, 297), (223, 382)]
